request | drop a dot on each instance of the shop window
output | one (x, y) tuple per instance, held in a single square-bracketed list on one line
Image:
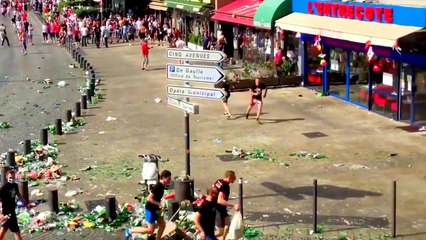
[(358, 79), (413, 85), (315, 70), (337, 77)]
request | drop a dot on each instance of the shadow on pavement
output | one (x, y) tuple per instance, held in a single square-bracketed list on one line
[(268, 121), (324, 191), (278, 219)]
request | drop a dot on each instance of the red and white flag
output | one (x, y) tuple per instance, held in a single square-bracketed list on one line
[(369, 49), (317, 40)]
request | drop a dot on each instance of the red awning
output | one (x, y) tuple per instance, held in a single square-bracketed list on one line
[(239, 12)]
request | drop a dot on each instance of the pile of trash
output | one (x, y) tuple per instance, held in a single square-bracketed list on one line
[(5, 125), (255, 153), (67, 126), (39, 164), (308, 155)]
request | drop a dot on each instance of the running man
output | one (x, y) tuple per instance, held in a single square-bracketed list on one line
[(153, 209), (8, 194), (205, 216), (223, 219), (145, 54), (258, 92)]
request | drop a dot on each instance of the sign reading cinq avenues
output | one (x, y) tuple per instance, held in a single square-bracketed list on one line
[(195, 55)]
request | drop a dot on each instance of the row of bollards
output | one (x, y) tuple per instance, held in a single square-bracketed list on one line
[(315, 208)]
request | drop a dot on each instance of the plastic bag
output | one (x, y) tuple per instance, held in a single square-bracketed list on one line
[(149, 171), (236, 229)]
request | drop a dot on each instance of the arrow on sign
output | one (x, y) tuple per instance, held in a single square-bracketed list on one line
[(190, 108), (195, 55), (193, 92), (206, 74)]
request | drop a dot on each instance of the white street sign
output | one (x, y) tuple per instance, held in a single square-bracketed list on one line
[(194, 92), (190, 108), (195, 55), (206, 74)]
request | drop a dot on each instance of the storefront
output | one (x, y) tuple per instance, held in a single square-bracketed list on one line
[(353, 51), (248, 24), (190, 17), (158, 8)]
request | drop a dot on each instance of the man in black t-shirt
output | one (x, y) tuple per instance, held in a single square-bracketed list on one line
[(223, 219), (205, 216), (153, 207), (8, 194), (258, 92)]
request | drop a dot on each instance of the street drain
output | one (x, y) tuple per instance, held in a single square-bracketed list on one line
[(314, 134), (229, 158)]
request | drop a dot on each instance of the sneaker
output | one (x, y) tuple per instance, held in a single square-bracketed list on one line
[(247, 116), (127, 234)]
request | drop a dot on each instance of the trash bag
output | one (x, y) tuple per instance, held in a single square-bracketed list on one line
[(236, 229), (149, 171)]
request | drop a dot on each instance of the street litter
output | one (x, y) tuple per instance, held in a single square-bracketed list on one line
[(108, 119), (5, 125), (71, 66), (36, 192), (86, 73), (357, 166), (67, 127), (157, 100), (62, 84), (47, 81), (308, 155)]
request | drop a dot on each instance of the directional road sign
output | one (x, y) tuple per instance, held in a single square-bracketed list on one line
[(193, 73), (194, 92), (190, 108), (195, 55)]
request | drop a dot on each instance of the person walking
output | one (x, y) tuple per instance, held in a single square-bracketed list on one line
[(258, 93), (30, 34), (153, 207), (23, 38), (205, 216), (97, 32), (145, 54), (224, 190), (3, 35), (8, 194), (227, 89), (106, 34)]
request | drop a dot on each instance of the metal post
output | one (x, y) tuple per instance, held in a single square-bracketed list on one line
[(53, 200), (92, 88), (68, 116), (85, 64), (89, 95), (88, 66), (111, 211), (315, 206), (44, 136), (78, 109), (27, 146), (81, 62), (83, 102), (23, 190), (58, 125), (10, 160), (187, 140), (240, 193), (394, 209), (4, 169)]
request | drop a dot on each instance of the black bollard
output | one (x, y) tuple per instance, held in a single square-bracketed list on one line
[(393, 223), (89, 95), (23, 190), (92, 88), (77, 55), (315, 206), (88, 66), (78, 109), (73, 53), (27, 146), (53, 200), (85, 64), (83, 102), (58, 126), (78, 58), (240, 193), (68, 116), (44, 136), (81, 62), (4, 169), (111, 209), (10, 160), (183, 189), (92, 79)]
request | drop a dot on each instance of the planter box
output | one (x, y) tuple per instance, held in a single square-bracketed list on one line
[(246, 84)]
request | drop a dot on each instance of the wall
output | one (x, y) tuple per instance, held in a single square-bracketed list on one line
[(402, 15), (221, 3)]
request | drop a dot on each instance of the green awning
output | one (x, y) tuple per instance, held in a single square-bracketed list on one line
[(187, 5), (271, 10)]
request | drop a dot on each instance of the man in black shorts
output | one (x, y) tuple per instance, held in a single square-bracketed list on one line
[(205, 216), (223, 219), (258, 92), (8, 194)]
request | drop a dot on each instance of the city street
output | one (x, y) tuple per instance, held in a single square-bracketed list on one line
[(364, 152)]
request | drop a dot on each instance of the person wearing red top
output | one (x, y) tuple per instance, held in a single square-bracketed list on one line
[(57, 29), (24, 16), (145, 53), (77, 37)]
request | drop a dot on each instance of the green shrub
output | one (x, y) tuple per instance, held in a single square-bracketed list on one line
[(88, 11)]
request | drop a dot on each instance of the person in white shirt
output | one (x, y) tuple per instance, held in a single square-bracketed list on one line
[(84, 34), (30, 34), (44, 31), (268, 48)]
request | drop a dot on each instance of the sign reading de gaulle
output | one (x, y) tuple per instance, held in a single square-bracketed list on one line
[(349, 11)]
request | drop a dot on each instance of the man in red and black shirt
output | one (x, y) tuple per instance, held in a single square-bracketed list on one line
[(205, 216), (223, 219)]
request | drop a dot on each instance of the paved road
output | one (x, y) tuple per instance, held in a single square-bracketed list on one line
[(21, 104)]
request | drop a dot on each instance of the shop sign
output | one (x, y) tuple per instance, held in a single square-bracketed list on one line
[(359, 12)]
